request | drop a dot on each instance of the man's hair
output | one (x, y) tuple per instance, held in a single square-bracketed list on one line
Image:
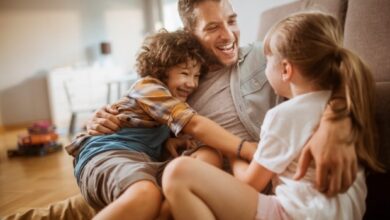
[(164, 50), (186, 12)]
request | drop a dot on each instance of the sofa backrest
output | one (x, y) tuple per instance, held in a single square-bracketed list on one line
[(335, 7), (367, 33)]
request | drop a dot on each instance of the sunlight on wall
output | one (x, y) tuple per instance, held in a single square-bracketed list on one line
[(124, 30), (171, 16)]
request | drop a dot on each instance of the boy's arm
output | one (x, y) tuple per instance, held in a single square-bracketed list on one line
[(211, 134), (334, 157)]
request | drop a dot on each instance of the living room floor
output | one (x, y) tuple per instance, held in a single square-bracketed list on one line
[(33, 181)]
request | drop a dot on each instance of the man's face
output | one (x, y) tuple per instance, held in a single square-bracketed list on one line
[(183, 79), (216, 28)]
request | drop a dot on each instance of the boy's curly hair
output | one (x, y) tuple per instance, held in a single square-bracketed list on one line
[(164, 50)]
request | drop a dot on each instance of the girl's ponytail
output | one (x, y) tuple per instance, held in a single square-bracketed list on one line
[(359, 89)]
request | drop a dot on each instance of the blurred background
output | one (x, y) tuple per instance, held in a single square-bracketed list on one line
[(59, 58), (40, 36)]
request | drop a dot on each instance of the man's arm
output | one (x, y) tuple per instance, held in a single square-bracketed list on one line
[(103, 121), (335, 158)]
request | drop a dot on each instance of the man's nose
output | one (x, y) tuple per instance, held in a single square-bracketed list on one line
[(227, 32)]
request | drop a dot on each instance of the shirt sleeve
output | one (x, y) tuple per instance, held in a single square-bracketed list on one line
[(275, 151), (157, 101)]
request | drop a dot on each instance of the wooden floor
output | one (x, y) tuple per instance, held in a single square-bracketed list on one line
[(27, 182)]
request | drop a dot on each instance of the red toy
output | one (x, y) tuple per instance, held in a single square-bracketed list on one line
[(40, 140)]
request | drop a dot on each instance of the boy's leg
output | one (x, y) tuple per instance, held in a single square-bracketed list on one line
[(121, 182), (197, 190), (142, 200)]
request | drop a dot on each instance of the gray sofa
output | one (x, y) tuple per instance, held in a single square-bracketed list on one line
[(367, 33)]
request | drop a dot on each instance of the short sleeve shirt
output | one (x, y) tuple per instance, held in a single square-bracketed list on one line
[(147, 104)]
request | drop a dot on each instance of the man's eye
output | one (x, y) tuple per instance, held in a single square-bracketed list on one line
[(233, 22), (211, 27)]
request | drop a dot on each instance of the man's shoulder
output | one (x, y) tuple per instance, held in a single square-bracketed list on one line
[(252, 61), (254, 48)]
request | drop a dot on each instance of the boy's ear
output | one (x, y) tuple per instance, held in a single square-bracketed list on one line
[(287, 71)]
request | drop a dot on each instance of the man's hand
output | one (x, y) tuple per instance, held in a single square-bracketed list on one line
[(334, 157), (103, 121)]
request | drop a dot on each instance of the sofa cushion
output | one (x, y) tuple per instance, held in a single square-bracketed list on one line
[(367, 33), (369, 37)]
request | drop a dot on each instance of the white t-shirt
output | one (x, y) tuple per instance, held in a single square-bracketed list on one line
[(285, 130)]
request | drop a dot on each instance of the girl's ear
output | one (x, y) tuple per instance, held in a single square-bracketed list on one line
[(287, 70)]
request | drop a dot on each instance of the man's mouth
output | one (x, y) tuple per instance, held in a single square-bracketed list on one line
[(227, 49)]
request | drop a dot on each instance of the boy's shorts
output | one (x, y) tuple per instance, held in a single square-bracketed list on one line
[(107, 175)]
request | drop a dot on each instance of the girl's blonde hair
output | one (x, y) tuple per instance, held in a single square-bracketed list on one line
[(312, 42)]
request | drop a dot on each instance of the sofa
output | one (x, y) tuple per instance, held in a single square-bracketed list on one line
[(367, 33)]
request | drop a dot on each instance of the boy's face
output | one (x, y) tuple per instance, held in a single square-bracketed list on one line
[(183, 79), (217, 30)]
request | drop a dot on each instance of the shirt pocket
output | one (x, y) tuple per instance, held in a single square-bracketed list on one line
[(254, 83)]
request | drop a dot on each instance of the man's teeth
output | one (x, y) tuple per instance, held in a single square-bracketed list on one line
[(226, 47)]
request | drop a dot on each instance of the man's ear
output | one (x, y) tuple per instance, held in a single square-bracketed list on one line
[(287, 71)]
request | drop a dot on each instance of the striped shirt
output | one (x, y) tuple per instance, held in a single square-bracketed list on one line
[(147, 104)]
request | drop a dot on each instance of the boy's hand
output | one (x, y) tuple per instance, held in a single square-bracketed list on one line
[(335, 159), (173, 144), (103, 121)]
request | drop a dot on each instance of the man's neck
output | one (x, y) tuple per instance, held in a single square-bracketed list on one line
[(215, 67)]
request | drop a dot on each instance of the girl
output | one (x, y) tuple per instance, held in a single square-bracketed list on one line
[(307, 64), (117, 172)]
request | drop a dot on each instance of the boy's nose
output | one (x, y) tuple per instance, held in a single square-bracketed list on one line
[(191, 83)]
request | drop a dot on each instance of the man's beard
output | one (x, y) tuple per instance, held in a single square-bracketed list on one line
[(212, 60)]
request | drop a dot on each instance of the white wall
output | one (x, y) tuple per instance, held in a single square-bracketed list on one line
[(39, 35), (249, 16)]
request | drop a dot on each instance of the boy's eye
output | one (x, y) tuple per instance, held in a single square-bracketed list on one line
[(184, 73)]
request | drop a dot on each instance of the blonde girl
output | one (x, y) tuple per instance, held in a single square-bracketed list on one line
[(307, 64)]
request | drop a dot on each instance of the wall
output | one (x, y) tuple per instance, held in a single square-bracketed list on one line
[(39, 35), (249, 16)]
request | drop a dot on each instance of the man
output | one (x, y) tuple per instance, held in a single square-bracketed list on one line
[(236, 95)]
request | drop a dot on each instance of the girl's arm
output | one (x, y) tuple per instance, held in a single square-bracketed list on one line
[(214, 135), (253, 174)]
